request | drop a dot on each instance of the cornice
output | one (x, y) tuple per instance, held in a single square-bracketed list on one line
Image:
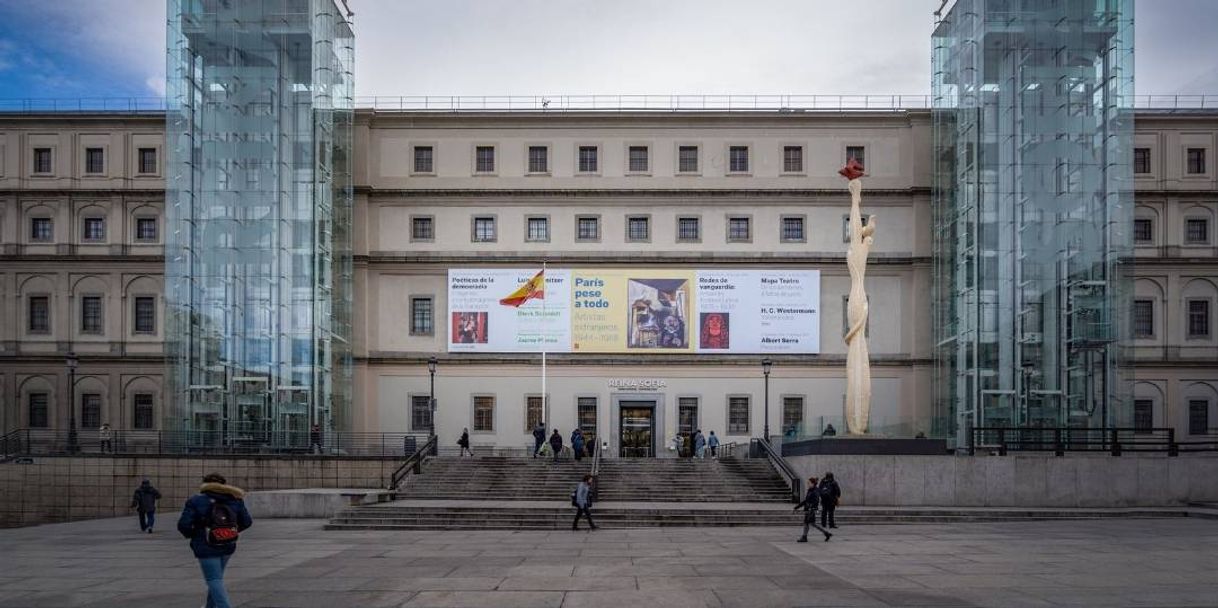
[(602, 259), (633, 359), (630, 192)]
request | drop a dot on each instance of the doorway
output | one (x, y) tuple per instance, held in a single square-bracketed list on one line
[(636, 429)]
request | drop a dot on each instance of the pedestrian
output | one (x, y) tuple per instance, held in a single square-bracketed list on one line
[(699, 444), (464, 443), (577, 443), (581, 499), (830, 493), (315, 439), (713, 443), (144, 502), (212, 520), (678, 443), (810, 502), (829, 431), (539, 438), (556, 444), (105, 438)]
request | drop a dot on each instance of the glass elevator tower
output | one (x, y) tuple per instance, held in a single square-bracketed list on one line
[(1032, 211), (258, 205)]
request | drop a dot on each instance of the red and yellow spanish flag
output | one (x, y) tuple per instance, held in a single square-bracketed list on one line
[(533, 288)]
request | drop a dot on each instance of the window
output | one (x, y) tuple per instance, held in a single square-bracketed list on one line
[(421, 317), (1196, 161), (420, 413), (424, 159), (41, 230), (145, 229), (94, 160), (846, 225), (688, 229), (1143, 230), (588, 159), (91, 315), (533, 412), (142, 411), (422, 229), (738, 159), (858, 153), (638, 159), (793, 229), (687, 159), (1143, 415), (42, 160), (1198, 417), (90, 410), (687, 416), (1196, 230), (738, 230), (539, 159), (38, 410), (637, 228), (484, 413), (1198, 318), (793, 159), (484, 159), (792, 416), (1143, 318), (738, 415), (147, 163), (93, 229), (1141, 160), (586, 417), (588, 228), (484, 229), (145, 315), (538, 230), (39, 319)]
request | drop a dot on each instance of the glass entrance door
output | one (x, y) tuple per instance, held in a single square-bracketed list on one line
[(637, 428)]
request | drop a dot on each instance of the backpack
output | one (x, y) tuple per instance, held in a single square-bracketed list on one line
[(220, 525)]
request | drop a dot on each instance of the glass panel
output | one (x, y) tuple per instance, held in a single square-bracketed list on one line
[(638, 158), (1198, 417), (738, 159), (484, 413), (38, 410), (90, 410), (587, 159), (533, 412), (687, 159), (421, 229), (420, 413), (423, 159), (589, 228), (793, 159), (792, 416), (538, 159), (738, 415), (587, 417), (687, 228)]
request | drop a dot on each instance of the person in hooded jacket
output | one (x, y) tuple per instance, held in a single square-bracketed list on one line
[(809, 503), (556, 444), (193, 524), (144, 502), (539, 438), (830, 492)]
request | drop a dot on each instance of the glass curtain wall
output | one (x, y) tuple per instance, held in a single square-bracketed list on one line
[(258, 205), (1032, 212)]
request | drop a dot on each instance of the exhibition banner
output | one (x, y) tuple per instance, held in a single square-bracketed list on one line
[(637, 310)]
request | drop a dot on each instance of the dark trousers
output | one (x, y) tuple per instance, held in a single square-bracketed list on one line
[(826, 517), (107, 445), (810, 522), (537, 447), (147, 518), (579, 452), (586, 513)]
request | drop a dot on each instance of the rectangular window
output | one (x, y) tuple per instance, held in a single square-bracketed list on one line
[(1143, 415), (639, 161), (588, 159), (533, 411), (421, 229), (94, 160), (687, 159), (738, 229), (484, 413), (793, 159), (38, 410), (687, 416), (93, 229), (1198, 318), (147, 163), (637, 229), (1143, 230), (39, 319), (793, 229), (738, 415), (738, 159), (41, 229), (421, 317), (424, 159), (145, 315), (538, 230), (688, 229), (588, 228), (90, 410), (1141, 160), (42, 160), (91, 315), (420, 413), (484, 229), (1196, 161), (142, 411), (145, 229), (792, 416), (539, 159), (1198, 417), (484, 159), (858, 153), (1143, 318), (1196, 230), (587, 418), (863, 218)]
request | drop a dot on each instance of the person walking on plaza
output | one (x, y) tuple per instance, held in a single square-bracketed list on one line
[(699, 443), (556, 444), (809, 503), (105, 438), (315, 439), (144, 502), (577, 443), (713, 443), (830, 492), (464, 443), (581, 499), (212, 520), (539, 438)]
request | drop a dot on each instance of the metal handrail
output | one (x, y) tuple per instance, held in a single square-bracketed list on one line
[(14, 443), (784, 469), (1069, 439), (413, 464), (596, 470)]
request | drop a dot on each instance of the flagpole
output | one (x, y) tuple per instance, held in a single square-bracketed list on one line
[(545, 401)]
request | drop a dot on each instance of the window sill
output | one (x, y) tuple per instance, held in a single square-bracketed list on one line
[(638, 174), (595, 240), (794, 241), (422, 174), (738, 174), (538, 174), (796, 174)]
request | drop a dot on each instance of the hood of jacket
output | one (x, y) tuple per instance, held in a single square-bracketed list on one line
[(223, 490)]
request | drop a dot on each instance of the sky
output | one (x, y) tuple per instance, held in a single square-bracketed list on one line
[(115, 48)]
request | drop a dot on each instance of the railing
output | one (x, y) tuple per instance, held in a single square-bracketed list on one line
[(763, 447), (1060, 440), (14, 444), (726, 450), (50, 442), (596, 470), (413, 463)]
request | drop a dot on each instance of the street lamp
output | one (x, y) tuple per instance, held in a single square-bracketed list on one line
[(431, 369), (73, 440), (766, 364)]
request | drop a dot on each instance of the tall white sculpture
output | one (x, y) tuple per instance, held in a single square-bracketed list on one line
[(858, 363)]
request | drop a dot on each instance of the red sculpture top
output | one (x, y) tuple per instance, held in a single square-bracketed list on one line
[(852, 170)]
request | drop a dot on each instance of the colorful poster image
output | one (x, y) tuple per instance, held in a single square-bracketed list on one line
[(758, 311), (716, 331), (659, 313), (469, 327), (616, 310), (489, 315)]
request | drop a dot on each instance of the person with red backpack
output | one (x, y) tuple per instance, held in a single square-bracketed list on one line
[(212, 520)]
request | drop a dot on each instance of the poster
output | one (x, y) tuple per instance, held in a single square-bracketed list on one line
[(479, 323), (758, 311)]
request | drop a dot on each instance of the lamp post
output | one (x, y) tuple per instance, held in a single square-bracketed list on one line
[(73, 440), (431, 370), (766, 364)]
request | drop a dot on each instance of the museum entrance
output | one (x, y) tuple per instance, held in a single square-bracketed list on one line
[(636, 431)]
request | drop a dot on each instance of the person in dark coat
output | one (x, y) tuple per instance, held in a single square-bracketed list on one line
[(194, 523), (809, 503), (464, 443), (315, 439), (144, 502), (830, 492), (577, 443), (556, 444), (539, 438), (582, 501)]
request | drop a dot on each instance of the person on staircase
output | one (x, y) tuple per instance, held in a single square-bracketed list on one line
[(577, 443), (556, 444), (713, 443), (810, 502), (830, 492), (699, 444), (464, 443), (581, 499), (539, 438)]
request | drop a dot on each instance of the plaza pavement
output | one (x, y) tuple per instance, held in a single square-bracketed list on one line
[(293, 563)]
